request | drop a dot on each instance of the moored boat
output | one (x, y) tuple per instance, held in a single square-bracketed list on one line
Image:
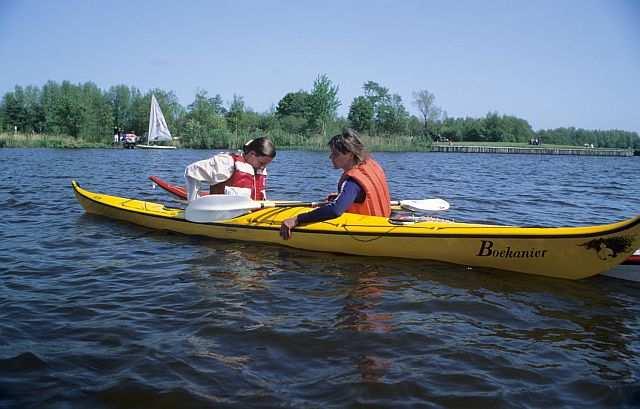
[(144, 146), (562, 252), (158, 129)]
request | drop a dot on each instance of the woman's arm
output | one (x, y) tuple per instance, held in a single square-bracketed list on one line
[(350, 192)]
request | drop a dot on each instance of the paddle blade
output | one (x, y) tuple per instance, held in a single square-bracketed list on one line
[(211, 208), (425, 205)]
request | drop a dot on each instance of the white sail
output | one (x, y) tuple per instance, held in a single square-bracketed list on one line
[(158, 129)]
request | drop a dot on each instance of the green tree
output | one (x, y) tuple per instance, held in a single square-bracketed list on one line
[(120, 98), (473, 130), (292, 111), (390, 115), (236, 113), (3, 121), (206, 111), (97, 118), (268, 121), (517, 130), (393, 117), (293, 104), (493, 128), (23, 108), (379, 99), (14, 108), (204, 124), (323, 103), (376, 94), (361, 114), (425, 102), (415, 126), (50, 99), (69, 111)]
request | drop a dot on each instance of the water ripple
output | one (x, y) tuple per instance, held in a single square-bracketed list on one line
[(102, 314)]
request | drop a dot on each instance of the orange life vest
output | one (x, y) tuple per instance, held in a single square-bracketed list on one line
[(371, 179)]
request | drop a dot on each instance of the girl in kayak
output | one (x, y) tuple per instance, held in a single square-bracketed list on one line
[(362, 188), (233, 173)]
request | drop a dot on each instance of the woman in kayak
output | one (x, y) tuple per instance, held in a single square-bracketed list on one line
[(233, 173), (362, 188)]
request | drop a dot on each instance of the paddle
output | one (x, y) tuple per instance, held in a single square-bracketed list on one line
[(422, 205), (211, 208)]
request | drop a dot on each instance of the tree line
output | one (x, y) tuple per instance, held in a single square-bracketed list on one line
[(302, 118)]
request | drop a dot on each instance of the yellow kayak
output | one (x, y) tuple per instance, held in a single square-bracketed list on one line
[(562, 252)]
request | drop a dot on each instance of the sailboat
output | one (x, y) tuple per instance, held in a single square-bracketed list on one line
[(158, 129)]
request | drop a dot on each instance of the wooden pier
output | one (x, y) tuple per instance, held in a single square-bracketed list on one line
[(533, 150)]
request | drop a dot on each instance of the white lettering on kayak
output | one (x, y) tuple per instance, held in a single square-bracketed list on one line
[(487, 250)]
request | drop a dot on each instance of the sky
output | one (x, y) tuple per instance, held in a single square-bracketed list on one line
[(557, 63)]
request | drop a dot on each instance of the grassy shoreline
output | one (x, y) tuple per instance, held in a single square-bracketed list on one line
[(373, 143), (19, 140), (315, 143)]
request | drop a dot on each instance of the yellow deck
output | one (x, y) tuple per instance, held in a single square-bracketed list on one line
[(563, 252)]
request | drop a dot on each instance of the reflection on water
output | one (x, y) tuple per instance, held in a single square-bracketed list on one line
[(360, 313), (103, 314)]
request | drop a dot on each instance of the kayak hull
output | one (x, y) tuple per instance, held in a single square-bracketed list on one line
[(562, 252)]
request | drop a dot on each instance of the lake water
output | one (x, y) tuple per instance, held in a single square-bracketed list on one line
[(96, 313)]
